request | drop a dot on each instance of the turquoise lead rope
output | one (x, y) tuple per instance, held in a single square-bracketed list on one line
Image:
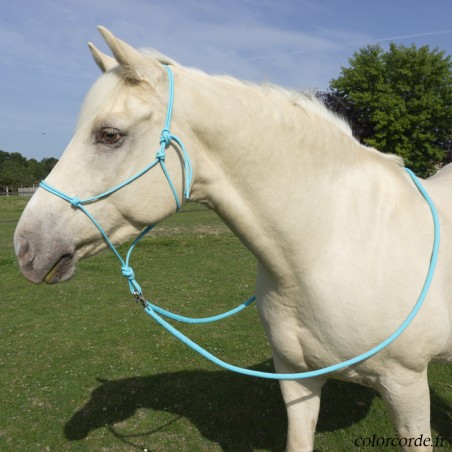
[(156, 313), (149, 309)]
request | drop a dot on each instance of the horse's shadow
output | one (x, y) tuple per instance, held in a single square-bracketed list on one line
[(239, 413)]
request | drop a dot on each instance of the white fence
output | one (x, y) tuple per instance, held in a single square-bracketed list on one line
[(27, 191), (22, 191)]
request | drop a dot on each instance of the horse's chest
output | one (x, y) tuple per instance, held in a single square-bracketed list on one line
[(291, 339)]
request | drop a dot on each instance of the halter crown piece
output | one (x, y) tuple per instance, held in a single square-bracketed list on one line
[(155, 312)]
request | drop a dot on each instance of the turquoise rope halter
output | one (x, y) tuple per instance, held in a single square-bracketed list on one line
[(156, 313)]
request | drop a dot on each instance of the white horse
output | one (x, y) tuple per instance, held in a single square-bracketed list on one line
[(342, 237)]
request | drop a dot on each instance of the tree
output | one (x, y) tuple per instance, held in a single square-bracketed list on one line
[(399, 101), (46, 165), (12, 174), (16, 171)]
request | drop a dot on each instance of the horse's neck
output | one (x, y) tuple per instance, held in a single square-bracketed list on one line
[(275, 173)]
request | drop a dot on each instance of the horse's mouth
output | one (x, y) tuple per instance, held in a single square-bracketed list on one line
[(62, 270)]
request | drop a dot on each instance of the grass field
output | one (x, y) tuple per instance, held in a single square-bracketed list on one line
[(82, 368)]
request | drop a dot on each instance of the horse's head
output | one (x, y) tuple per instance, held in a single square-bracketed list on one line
[(118, 134)]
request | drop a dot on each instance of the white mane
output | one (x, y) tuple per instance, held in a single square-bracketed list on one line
[(314, 106), (305, 100)]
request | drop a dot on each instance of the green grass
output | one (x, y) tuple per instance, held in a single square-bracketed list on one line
[(82, 368)]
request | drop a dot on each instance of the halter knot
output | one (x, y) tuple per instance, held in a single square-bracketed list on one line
[(128, 273), (75, 202), (161, 154), (165, 137)]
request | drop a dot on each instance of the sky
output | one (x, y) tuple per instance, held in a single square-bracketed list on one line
[(46, 68)]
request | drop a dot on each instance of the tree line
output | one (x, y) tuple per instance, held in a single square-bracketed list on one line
[(17, 171)]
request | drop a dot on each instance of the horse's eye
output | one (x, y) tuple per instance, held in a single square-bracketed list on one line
[(109, 136)]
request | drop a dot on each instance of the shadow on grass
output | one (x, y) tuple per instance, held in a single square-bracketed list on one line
[(237, 412)]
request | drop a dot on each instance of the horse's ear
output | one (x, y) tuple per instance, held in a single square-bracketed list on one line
[(104, 61), (128, 57)]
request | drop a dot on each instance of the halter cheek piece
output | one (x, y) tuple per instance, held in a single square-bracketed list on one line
[(155, 312)]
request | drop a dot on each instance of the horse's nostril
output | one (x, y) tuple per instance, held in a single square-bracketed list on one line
[(23, 250)]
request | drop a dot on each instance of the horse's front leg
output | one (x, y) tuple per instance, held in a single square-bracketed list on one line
[(407, 396), (302, 400)]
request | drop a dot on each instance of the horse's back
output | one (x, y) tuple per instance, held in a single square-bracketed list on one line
[(444, 175)]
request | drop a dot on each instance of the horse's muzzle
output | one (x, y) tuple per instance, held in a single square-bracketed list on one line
[(44, 262)]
